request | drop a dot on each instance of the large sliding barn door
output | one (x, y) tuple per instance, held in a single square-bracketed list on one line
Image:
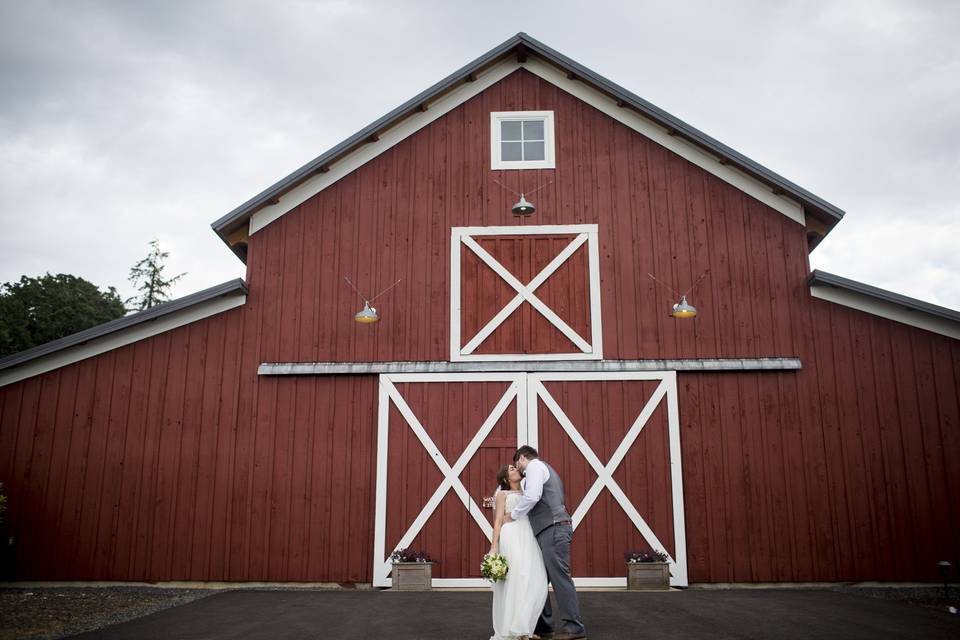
[(613, 437), (615, 440)]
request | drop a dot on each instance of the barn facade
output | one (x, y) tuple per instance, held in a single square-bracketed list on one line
[(802, 427)]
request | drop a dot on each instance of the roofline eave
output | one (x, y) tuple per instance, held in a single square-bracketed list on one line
[(523, 44)]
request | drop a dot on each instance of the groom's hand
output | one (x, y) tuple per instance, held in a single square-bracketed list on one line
[(507, 517)]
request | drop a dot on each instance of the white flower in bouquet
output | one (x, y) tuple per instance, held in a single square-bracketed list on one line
[(494, 567)]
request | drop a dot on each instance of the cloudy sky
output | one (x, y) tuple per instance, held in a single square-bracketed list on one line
[(121, 122)]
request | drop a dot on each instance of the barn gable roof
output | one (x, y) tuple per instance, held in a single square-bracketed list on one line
[(525, 51), (883, 303), (122, 331)]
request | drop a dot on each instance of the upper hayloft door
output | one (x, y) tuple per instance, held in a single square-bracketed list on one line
[(525, 293)]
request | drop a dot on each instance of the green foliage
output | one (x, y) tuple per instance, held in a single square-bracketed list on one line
[(148, 274), (37, 310)]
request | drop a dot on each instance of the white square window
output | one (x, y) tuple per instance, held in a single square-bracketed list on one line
[(521, 140)]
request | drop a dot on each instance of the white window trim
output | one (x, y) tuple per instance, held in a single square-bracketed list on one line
[(585, 234), (549, 154)]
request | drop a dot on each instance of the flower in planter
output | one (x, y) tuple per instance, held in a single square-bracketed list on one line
[(409, 555), (645, 556)]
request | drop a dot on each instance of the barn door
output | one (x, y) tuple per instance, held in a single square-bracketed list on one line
[(441, 439), (615, 440)]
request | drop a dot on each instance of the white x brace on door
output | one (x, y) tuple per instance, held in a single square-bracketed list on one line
[(529, 392), (589, 349)]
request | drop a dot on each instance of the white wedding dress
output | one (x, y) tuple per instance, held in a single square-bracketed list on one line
[(518, 599)]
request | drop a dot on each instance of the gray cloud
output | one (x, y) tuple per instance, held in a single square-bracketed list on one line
[(121, 121)]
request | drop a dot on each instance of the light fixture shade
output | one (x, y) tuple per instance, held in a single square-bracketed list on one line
[(523, 208), (684, 309), (366, 315)]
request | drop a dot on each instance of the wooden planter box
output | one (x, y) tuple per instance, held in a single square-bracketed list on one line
[(412, 576), (648, 575)]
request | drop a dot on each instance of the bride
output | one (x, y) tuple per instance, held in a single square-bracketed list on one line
[(519, 598)]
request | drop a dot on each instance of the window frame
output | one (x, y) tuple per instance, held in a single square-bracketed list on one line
[(549, 154)]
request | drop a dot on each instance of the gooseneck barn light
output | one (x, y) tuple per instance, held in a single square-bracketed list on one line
[(368, 315), (682, 309)]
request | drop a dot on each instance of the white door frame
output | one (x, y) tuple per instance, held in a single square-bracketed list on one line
[(666, 390), (583, 234), (517, 390), (527, 389)]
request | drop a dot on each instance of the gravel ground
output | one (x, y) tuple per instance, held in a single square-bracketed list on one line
[(58, 612)]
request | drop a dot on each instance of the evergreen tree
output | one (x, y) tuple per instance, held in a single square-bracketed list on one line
[(37, 310), (148, 274)]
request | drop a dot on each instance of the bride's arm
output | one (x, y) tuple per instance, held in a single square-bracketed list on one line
[(498, 522)]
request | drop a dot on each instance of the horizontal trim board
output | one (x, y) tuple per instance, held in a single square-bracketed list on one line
[(367, 368), (526, 230)]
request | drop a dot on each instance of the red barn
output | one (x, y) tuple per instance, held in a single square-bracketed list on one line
[(802, 427)]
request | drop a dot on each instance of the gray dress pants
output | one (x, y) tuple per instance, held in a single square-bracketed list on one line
[(555, 545)]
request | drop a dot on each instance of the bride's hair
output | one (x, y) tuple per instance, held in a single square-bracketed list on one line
[(503, 477)]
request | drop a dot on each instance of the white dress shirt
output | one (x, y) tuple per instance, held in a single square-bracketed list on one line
[(535, 476)]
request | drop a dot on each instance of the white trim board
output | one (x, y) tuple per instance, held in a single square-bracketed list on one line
[(583, 234), (389, 138), (515, 394), (666, 392), (413, 123), (887, 310), (121, 338), (706, 161)]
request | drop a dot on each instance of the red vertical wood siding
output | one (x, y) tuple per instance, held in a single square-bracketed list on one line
[(172, 459)]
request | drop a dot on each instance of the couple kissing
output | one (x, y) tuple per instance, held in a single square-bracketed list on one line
[(533, 531)]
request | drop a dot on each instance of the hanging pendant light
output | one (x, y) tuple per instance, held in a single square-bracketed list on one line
[(366, 315), (684, 309), (523, 208)]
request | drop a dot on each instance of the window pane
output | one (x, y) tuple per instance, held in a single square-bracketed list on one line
[(510, 151), (533, 151), (510, 130), (533, 130)]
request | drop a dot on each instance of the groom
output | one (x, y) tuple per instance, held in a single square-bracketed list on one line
[(542, 502)]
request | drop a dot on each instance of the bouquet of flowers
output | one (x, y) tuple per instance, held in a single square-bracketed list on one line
[(494, 567)]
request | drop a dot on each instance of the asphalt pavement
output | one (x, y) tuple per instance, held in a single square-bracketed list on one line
[(715, 614)]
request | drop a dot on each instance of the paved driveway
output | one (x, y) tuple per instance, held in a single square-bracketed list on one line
[(279, 615)]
